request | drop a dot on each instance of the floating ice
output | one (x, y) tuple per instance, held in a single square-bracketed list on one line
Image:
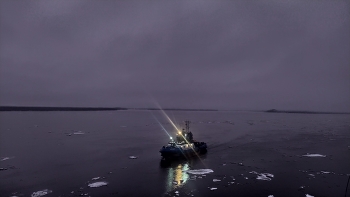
[(176, 192), (5, 158), (41, 193), (98, 184), (216, 180), (78, 133), (213, 188), (308, 195), (324, 172), (199, 171), (314, 155), (132, 157), (270, 196), (263, 176), (96, 178)]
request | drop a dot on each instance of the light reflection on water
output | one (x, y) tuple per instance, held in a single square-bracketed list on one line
[(176, 175)]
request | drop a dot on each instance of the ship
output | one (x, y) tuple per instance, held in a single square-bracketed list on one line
[(183, 146)]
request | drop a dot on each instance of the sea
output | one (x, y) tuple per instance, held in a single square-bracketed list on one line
[(116, 153)]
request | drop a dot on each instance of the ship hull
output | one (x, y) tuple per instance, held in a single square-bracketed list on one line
[(177, 152)]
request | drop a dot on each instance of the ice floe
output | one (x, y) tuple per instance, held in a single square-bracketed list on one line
[(78, 133), (308, 195), (270, 196), (199, 171), (5, 158), (314, 155), (263, 176), (132, 157), (98, 184), (96, 178), (213, 188), (41, 193), (216, 180)]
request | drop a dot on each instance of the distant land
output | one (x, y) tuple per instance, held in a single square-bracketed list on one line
[(33, 108), (302, 112), (37, 108), (27, 108)]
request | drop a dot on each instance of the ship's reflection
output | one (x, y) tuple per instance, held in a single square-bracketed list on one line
[(176, 173)]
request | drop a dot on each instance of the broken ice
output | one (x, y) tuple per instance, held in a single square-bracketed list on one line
[(314, 155), (41, 193), (216, 180), (78, 133), (213, 188), (263, 176), (5, 158), (307, 195), (199, 171), (96, 178), (98, 184), (132, 157)]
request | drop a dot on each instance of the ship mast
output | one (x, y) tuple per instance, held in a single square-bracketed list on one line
[(187, 123)]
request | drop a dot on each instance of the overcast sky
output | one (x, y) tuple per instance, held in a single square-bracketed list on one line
[(283, 54)]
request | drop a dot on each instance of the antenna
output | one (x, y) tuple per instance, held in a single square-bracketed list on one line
[(187, 123)]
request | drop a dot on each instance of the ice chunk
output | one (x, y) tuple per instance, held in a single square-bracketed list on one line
[(98, 184), (5, 158), (96, 178), (176, 192), (199, 171), (132, 157), (78, 133), (314, 155), (41, 193), (324, 172), (270, 196), (263, 176), (308, 195), (216, 180), (213, 188)]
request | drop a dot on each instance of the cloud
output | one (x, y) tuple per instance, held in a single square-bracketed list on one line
[(197, 54)]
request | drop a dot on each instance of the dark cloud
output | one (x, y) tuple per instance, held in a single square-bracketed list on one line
[(195, 54)]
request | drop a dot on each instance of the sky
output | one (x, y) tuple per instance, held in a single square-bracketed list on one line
[(250, 55)]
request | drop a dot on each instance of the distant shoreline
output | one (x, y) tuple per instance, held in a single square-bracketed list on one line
[(32, 108), (302, 112), (27, 108)]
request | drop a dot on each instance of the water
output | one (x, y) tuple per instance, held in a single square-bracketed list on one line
[(63, 151)]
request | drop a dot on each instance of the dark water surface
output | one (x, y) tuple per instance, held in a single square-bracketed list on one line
[(39, 150)]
